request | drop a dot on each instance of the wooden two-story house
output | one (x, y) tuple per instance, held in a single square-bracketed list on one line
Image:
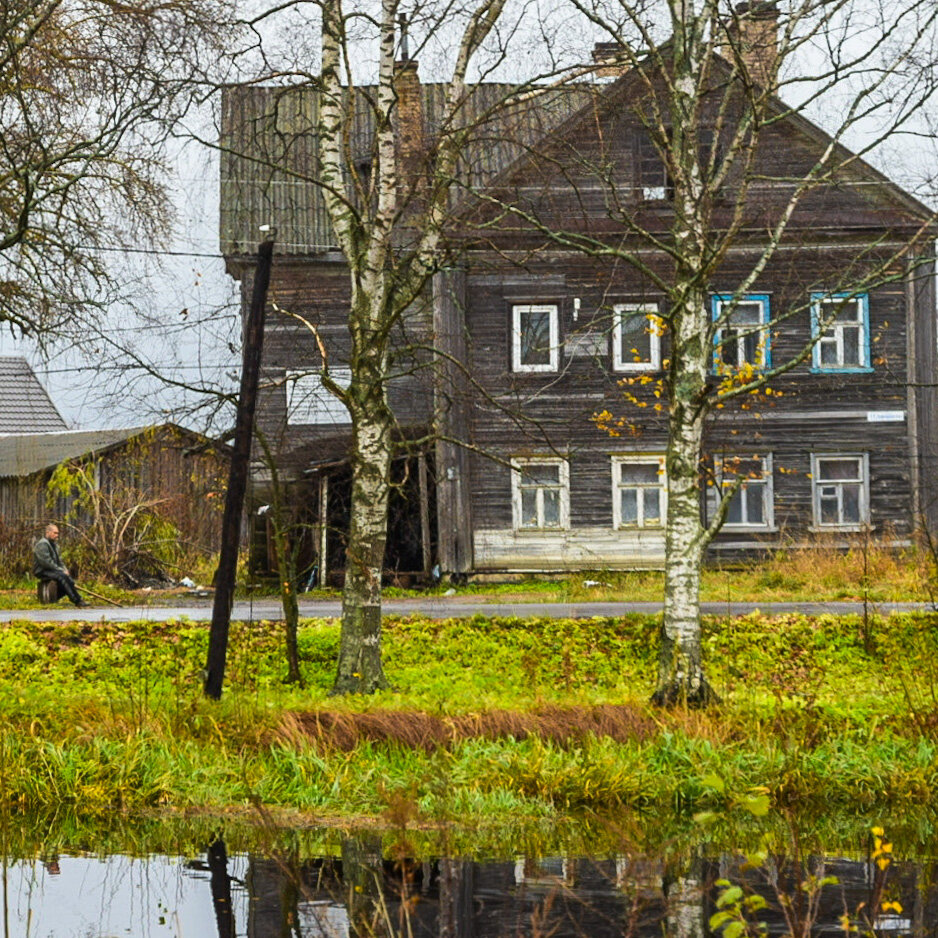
[(541, 425)]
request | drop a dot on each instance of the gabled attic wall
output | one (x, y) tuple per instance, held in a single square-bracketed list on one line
[(584, 176)]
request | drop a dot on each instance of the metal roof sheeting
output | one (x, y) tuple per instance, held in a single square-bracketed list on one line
[(270, 152), (24, 454)]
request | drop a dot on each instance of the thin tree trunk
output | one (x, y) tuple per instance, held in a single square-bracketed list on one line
[(360, 670), (285, 557), (286, 568), (680, 670)]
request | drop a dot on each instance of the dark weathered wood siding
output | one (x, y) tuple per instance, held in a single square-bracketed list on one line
[(187, 488)]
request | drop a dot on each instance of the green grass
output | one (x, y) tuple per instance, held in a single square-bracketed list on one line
[(826, 711)]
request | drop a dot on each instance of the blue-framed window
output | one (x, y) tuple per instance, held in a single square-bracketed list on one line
[(742, 333), (840, 328)]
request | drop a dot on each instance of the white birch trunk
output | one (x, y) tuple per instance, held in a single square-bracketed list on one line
[(680, 670)]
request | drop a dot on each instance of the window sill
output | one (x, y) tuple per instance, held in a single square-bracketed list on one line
[(753, 528), (635, 367), (539, 532), (840, 528), (847, 370)]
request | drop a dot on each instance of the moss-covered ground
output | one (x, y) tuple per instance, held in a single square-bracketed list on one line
[(533, 719)]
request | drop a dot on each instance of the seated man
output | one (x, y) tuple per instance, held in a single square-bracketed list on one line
[(47, 565)]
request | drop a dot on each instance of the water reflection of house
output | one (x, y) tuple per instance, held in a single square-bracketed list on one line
[(640, 896), (451, 898)]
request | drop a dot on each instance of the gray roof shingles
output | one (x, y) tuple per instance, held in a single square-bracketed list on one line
[(25, 406)]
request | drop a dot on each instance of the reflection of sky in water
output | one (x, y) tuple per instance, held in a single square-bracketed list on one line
[(121, 896), (110, 897)]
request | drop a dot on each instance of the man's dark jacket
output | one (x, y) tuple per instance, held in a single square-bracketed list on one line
[(46, 560)]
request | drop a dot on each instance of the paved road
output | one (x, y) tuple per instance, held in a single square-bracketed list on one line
[(434, 608)]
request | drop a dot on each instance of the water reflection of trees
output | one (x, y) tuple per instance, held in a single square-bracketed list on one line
[(362, 894)]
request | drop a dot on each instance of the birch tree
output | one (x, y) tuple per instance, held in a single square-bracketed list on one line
[(388, 200), (385, 281), (705, 85)]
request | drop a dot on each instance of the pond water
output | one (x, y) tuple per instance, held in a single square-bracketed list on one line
[(358, 890)]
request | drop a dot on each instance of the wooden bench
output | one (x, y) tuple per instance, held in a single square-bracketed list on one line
[(47, 591)]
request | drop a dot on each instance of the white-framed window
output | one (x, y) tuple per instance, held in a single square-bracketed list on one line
[(840, 488), (534, 337), (540, 494), (639, 490), (752, 504), (742, 335), (840, 324), (636, 337), (308, 402)]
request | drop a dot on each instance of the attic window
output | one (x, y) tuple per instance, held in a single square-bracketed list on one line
[(651, 173)]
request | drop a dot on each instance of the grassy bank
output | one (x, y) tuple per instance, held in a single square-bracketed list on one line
[(533, 719)]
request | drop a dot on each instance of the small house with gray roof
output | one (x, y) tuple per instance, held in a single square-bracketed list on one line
[(171, 471)]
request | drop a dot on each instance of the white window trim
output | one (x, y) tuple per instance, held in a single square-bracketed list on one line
[(643, 458), (722, 300), (818, 335), (864, 492), (310, 404), (652, 314), (516, 312), (519, 463), (768, 505)]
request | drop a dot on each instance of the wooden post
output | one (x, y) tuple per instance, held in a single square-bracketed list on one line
[(238, 476), (424, 513), (323, 528)]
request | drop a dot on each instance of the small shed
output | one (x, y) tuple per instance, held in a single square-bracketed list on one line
[(182, 472)]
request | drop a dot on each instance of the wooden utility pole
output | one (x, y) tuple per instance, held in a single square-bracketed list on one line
[(238, 476)]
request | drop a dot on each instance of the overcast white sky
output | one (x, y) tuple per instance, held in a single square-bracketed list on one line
[(187, 317)]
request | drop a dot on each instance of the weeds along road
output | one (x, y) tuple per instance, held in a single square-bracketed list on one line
[(441, 608)]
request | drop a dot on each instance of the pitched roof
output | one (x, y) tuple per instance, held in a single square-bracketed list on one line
[(25, 406), (26, 453), (270, 152)]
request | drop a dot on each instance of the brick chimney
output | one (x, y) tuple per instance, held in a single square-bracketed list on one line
[(609, 58), (411, 141), (752, 37)]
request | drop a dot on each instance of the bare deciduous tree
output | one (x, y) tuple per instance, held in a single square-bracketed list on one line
[(88, 90)]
